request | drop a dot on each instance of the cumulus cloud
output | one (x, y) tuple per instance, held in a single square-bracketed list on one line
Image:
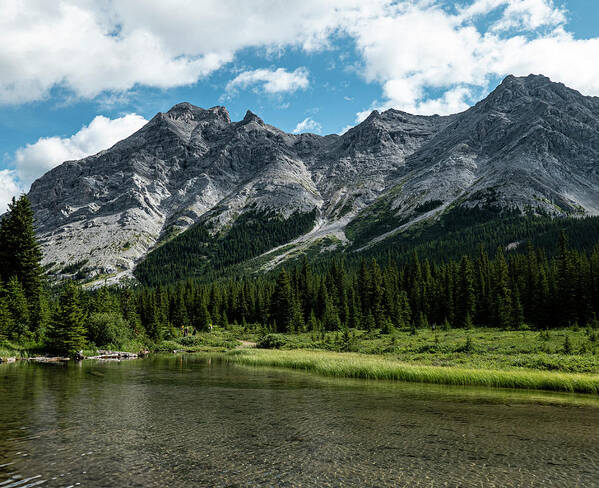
[(427, 55), (418, 48), (271, 81), (9, 187), (89, 47), (307, 125), (33, 160)]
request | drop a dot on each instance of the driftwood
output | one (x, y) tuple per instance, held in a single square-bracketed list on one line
[(46, 359), (103, 355), (114, 355)]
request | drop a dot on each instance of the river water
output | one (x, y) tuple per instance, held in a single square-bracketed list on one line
[(188, 421)]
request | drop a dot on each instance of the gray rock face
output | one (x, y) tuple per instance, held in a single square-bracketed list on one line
[(531, 144)]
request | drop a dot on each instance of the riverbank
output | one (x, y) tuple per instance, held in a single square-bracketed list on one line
[(558, 360), (355, 365)]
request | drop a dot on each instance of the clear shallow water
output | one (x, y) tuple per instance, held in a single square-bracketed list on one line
[(185, 421)]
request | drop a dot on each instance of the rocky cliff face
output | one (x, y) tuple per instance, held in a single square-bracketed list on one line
[(531, 145)]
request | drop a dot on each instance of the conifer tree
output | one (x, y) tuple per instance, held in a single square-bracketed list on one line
[(370, 322), (313, 324), (6, 321), (203, 319), (404, 316), (282, 306), (20, 255), (566, 290), (18, 308), (67, 332), (502, 305), (364, 288), (331, 319), (180, 316), (466, 300)]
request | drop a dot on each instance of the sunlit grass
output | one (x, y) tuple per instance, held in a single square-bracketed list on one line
[(352, 365)]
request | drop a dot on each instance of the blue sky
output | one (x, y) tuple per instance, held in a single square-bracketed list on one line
[(77, 76)]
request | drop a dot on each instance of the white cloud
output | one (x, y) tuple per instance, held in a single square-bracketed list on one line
[(418, 48), (271, 81), (35, 159), (307, 125), (526, 14), (92, 46), (9, 187), (425, 55), (530, 14)]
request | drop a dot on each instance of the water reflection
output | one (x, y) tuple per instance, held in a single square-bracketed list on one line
[(184, 421)]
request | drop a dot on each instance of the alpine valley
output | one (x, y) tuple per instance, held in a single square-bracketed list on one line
[(246, 196)]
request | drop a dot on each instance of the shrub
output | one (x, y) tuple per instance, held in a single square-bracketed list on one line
[(191, 340), (107, 328), (167, 346), (271, 341)]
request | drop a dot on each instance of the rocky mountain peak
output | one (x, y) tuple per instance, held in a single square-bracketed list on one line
[(531, 144), (523, 91), (185, 111), (251, 117)]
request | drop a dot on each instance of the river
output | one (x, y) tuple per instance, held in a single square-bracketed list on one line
[(185, 421)]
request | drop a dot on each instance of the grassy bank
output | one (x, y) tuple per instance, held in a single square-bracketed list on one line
[(355, 365), (217, 341), (574, 350)]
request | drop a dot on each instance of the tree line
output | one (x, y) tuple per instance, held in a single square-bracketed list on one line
[(507, 290)]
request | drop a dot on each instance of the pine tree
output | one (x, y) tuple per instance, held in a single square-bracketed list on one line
[(467, 322), (387, 326), (20, 255), (203, 319), (18, 308), (404, 317), (313, 324), (330, 319), (180, 316), (466, 299), (283, 309), (67, 333), (370, 322), (355, 314), (566, 290), (6, 321), (502, 295), (364, 288), (517, 310)]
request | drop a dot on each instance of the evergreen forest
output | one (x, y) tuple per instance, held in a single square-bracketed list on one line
[(535, 286)]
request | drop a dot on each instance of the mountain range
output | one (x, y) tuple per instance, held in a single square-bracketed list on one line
[(191, 179)]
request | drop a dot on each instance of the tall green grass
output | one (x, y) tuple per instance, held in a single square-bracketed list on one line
[(350, 365)]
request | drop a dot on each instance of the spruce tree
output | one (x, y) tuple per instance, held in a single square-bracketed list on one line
[(370, 322), (6, 321), (18, 308), (466, 300), (330, 319), (283, 308), (502, 294), (67, 333), (566, 289), (203, 320), (20, 255)]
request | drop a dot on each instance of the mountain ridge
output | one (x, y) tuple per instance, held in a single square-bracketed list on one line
[(532, 145)]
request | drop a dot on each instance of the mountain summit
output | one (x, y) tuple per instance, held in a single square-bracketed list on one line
[(531, 146)]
